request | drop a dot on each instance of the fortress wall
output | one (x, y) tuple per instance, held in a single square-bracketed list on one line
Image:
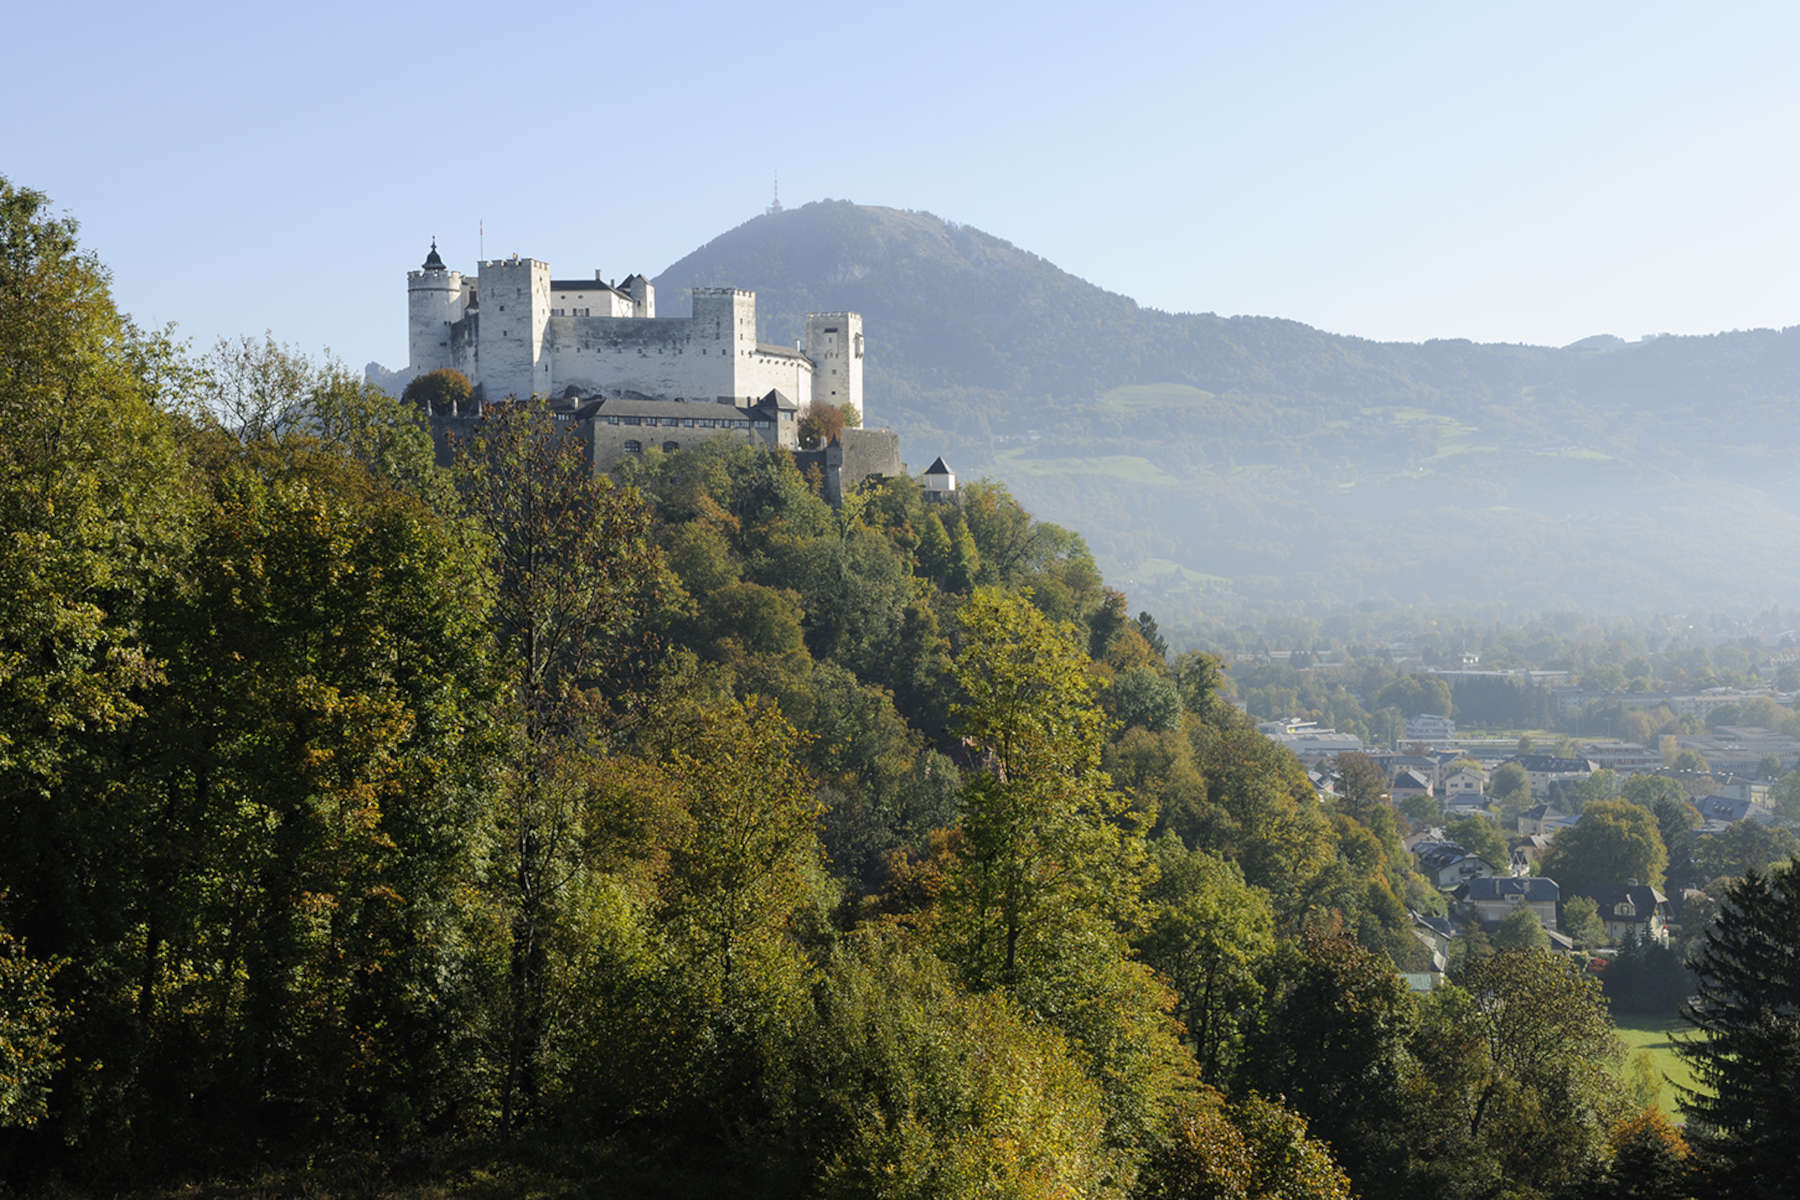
[(661, 357), (757, 373), (608, 444)]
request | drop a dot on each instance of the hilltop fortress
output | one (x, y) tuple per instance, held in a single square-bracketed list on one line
[(628, 381), (515, 331)]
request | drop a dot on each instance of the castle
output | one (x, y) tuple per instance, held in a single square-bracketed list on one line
[(515, 331), (628, 381)]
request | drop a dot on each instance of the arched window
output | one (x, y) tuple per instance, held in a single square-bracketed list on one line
[(634, 447), (671, 446)]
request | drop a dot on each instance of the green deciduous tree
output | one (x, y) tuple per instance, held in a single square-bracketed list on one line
[(445, 392), (1544, 1091), (1479, 837), (1210, 935), (1254, 1149), (1616, 842), (912, 1088), (577, 581), (30, 1050), (1047, 886)]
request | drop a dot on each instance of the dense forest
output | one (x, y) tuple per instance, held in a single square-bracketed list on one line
[(381, 828)]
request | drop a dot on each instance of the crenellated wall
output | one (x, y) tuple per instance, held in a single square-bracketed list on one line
[(515, 331)]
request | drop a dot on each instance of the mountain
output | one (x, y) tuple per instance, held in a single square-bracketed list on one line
[(1220, 465)]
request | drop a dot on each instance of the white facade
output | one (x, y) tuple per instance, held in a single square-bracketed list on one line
[(513, 330)]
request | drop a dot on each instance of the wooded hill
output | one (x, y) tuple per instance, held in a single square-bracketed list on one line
[(1220, 463)]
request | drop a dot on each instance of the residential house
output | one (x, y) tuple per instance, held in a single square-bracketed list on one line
[(1631, 908), (1542, 819), (1545, 769), (1407, 784), (1729, 810), (1449, 866), (1463, 782), (1526, 850), (1491, 899), (1429, 727)]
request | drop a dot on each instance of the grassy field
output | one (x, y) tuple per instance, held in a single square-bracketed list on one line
[(1651, 1035)]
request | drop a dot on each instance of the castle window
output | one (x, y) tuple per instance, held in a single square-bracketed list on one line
[(671, 446), (634, 447)]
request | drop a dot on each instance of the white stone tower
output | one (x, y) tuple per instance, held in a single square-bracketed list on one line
[(515, 310), (725, 325), (434, 298), (834, 342)]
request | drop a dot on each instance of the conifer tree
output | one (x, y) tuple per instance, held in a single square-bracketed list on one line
[(1744, 1115)]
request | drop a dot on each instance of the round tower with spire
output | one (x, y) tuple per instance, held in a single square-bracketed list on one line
[(435, 300)]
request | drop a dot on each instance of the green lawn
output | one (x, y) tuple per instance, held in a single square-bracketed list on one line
[(1651, 1035)]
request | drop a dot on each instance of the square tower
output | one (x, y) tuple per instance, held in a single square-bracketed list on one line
[(514, 295), (834, 342)]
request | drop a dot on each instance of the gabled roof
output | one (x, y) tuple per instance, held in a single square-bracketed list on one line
[(1551, 764), (777, 399), (1437, 925), (1499, 887), (1608, 896), (937, 467), (1412, 779), (1729, 808), (584, 285)]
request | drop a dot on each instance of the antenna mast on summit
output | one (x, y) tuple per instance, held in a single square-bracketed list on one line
[(775, 204)]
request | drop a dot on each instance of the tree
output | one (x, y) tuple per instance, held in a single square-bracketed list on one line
[(1142, 698), (1254, 1149), (910, 1087), (30, 1050), (1047, 885), (1509, 785), (1744, 1113), (95, 504), (445, 392), (576, 582), (1362, 785), (1581, 921), (1742, 847), (1199, 678), (1332, 1041), (1146, 627), (1542, 1091), (1521, 930), (749, 845), (1650, 1160), (1616, 842), (1479, 837), (1210, 934)]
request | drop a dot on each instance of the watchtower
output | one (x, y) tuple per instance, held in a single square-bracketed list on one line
[(515, 310), (834, 342), (434, 299)]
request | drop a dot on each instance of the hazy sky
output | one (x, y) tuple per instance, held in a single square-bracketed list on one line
[(1524, 172)]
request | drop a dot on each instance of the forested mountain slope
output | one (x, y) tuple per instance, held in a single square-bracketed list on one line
[(1218, 463)]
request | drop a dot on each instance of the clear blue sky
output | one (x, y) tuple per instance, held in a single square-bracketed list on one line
[(1527, 172)]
